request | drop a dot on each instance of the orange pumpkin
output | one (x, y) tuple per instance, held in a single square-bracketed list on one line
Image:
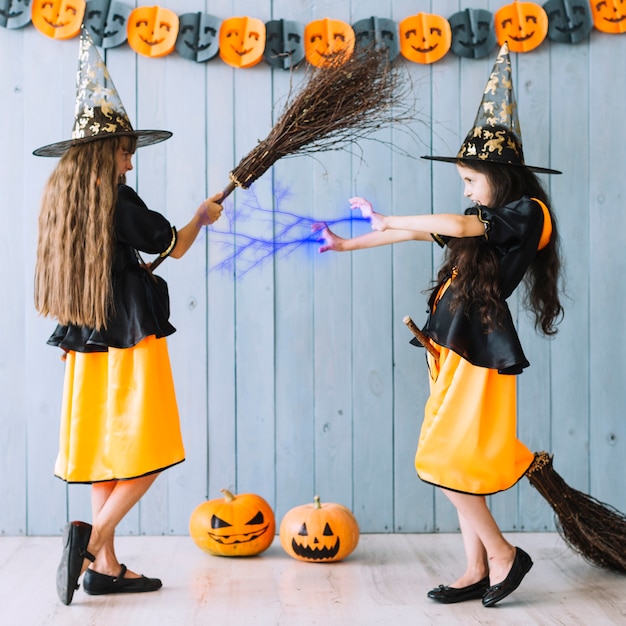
[(325, 38), (609, 16), (425, 37), (319, 533), (235, 525), (524, 25), (152, 31), (242, 41), (59, 19)]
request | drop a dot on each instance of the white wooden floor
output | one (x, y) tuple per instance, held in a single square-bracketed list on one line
[(383, 582)]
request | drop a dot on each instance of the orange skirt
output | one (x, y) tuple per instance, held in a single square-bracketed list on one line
[(119, 417), (468, 441)]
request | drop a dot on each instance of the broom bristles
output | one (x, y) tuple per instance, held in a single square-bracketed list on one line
[(339, 104), (597, 531)]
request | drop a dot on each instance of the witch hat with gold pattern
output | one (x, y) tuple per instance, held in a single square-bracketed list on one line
[(99, 112), (496, 136)]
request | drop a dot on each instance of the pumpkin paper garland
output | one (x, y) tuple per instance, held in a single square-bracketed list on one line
[(58, 19), (523, 25), (235, 525), (318, 533)]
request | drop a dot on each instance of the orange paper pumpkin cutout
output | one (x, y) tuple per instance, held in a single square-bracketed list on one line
[(152, 31), (242, 41), (425, 37), (325, 38), (524, 25), (609, 16), (59, 19)]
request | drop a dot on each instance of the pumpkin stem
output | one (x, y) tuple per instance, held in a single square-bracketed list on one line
[(228, 496), (318, 504)]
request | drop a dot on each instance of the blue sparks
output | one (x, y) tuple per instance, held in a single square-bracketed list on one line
[(255, 234)]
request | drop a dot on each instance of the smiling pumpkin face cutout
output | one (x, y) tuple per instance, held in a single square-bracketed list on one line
[(609, 16), (524, 25), (284, 46), (379, 33), (14, 13), (242, 41), (473, 36), (152, 31), (569, 21), (58, 19), (425, 37), (106, 22), (326, 41), (198, 36)]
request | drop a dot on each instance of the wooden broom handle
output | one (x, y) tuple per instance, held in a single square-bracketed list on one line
[(227, 191), (420, 336)]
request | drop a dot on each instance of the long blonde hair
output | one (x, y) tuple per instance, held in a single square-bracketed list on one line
[(77, 235)]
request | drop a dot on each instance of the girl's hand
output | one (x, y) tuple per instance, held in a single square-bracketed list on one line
[(376, 219), (209, 211), (332, 241)]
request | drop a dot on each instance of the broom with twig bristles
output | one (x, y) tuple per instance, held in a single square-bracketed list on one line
[(339, 104), (595, 530)]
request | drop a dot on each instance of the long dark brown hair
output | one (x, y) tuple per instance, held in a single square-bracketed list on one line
[(477, 283), (77, 234)]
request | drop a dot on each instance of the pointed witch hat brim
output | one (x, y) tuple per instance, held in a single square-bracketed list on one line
[(496, 136), (99, 112)]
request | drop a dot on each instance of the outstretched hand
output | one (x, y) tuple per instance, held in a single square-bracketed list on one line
[(210, 210), (377, 220), (331, 241)]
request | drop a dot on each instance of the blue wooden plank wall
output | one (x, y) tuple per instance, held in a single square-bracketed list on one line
[(294, 376)]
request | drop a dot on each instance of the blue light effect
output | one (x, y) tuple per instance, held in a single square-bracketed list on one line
[(253, 234)]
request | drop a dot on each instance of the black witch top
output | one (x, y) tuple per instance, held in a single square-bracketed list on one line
[(514, 231), (141, 304)]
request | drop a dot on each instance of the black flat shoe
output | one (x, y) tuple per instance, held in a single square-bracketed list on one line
[(449, 595), (96, 584), (519, 569), (75, 541)]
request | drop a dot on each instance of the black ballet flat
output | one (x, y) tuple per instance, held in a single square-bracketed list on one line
[(75, 541), (519, 569), (449, 595), (96, 584)]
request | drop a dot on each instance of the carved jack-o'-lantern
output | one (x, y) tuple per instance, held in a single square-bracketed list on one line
[(524, 25), (319, 533), (59, 19), (284, 46), (425, 38), (379, 32), (236, 525), (14, 13), (569, 21), (152, 31), (106, 22), (324, 39), (198, 36), (242, 41), (473, 36), (609, 16)]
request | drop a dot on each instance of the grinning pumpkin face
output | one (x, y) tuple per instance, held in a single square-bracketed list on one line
[(378, 32), (14, 13), (609, 16), (319, 534), (236, 525), (425, 38), (524, 25), (106, 22), (242, 41), (569, 21), (198, 36), (59, 19), (324, 39), (152, 31), (473, 36), (284, 45)]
